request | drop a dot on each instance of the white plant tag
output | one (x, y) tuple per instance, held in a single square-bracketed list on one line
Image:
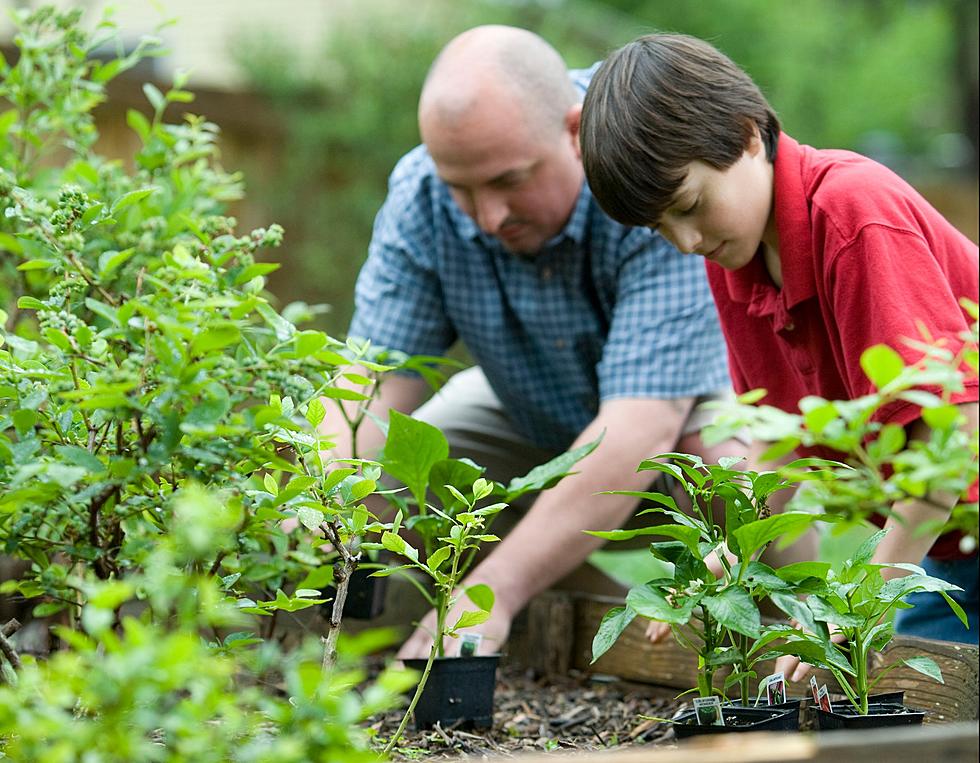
[(775, 688), (469, 644), (707, 710)]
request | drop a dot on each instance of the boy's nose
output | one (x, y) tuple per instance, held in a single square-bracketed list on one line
[(685, 237)]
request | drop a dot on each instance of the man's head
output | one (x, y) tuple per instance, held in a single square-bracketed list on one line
[(500, 119), (666, 117)]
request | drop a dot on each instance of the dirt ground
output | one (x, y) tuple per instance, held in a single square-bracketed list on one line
[(565, 713)]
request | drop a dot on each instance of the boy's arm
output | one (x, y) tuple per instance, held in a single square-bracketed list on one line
[(903, 543)]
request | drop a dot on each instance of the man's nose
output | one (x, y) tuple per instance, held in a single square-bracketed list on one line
[(490, 210)]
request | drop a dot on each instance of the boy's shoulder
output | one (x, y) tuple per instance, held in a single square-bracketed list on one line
[(852, 191)]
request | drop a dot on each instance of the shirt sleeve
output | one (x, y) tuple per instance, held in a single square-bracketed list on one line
[(887, 287), (398, 300), (664, 339)]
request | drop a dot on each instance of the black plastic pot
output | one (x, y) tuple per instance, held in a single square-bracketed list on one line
[(365, 595), (459, 692), (740, 719), (890, 697), (880, 715)]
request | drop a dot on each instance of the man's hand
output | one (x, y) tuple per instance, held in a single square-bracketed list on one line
[(494, 632)]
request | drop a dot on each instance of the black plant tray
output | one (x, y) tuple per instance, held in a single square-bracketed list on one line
[(459, 691), (880, 715), (740, 719)]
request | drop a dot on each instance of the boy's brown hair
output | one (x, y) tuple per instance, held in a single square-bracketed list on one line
[(656, 105)]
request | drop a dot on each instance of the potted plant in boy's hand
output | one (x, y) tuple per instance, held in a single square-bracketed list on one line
[(858, 602), (716, 615)]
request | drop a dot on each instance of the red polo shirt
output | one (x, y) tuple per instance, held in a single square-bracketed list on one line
[(865, 259)]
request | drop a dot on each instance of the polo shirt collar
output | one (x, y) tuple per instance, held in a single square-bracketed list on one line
[(793, 223), (751, 284)]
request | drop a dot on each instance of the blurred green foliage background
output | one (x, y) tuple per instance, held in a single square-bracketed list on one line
[(895, 79)]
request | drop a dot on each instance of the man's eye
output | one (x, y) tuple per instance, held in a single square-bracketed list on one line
[(689, 209)]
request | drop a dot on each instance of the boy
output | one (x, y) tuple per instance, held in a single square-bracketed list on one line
[(812, 256)]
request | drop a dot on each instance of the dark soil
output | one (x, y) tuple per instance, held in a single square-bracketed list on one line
[(573, 712)]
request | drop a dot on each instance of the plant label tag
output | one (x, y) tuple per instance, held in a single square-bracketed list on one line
[(775, 688), (814, 690), (823, 699), (707, 710), (469, 644)]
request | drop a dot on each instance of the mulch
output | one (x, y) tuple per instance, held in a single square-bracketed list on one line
[(556, 713)]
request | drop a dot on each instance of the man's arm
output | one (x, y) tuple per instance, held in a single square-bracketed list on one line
[(549, 541)]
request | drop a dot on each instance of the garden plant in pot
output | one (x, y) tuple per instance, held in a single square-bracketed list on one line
[(348, 579), (451, 689), (715, 613), (858, 603)]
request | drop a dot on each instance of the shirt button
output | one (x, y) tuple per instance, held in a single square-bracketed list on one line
[(545, 274), (790, 326), (560, 344)]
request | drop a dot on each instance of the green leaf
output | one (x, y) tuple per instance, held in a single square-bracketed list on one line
[(309, 517), (735, 609), (109, 261), (941, 418), (36, 265), (548, 474), (139, 124), (214, 338), (315, 412), (461, 473), (481, 595), (154, 96), (614, 622), (689, 536), (411, 450), (825, 612), (127, 200), (867, 549), (926, 666), (794, 573), (957, 609), (755, 535), (438, 557), (30, 303), (469, 619), (283, 329), (881, 364), (649, 601), (271, 485)]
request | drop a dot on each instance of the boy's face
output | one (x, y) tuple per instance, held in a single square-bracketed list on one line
[(723, 215)]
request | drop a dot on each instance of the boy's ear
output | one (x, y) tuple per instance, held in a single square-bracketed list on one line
[(755, 141), (573, 122)]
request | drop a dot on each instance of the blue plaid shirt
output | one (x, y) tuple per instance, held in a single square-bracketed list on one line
[(604, 311)]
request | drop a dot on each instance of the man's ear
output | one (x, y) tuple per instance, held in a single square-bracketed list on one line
[(573, 121)]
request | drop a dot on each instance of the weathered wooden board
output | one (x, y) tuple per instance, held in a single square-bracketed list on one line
[(948, 743), (559, 629)]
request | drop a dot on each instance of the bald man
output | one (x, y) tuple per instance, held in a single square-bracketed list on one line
[(578, 325)]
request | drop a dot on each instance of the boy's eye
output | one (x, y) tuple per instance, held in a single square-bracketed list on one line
[(690, 208)]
